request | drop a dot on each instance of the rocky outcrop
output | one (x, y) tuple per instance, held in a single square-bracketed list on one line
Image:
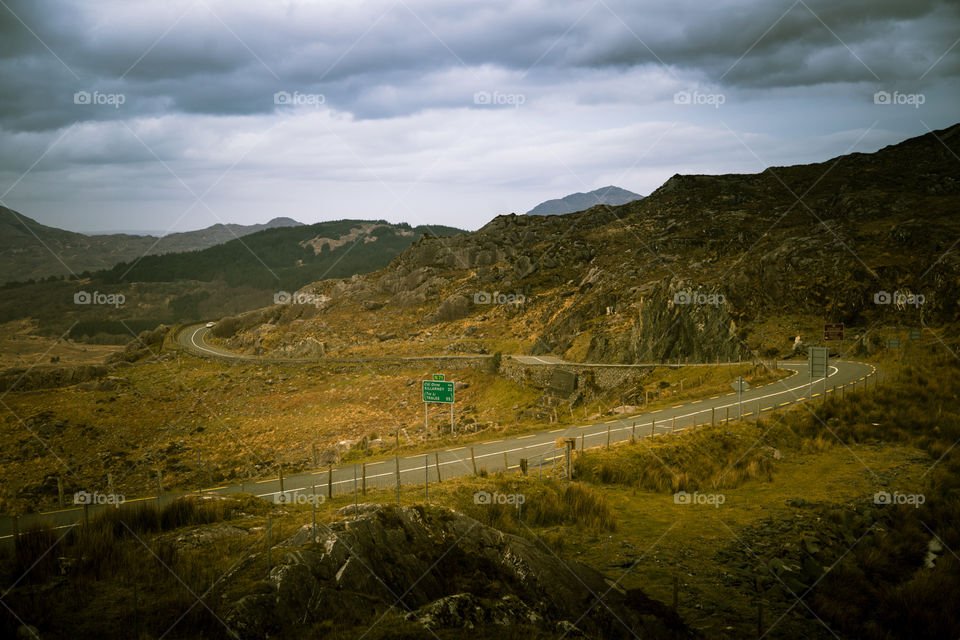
[(446, 571), (22, 379)]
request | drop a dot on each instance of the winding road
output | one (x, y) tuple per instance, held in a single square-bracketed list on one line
[(539, 449)]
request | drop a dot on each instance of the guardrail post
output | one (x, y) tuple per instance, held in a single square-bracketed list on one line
[(653, 426), (608, 436), (436, 460), (314, 503), (713, 416), (330, 482), (506, 465), (633, 432), (473, 461), (673, 424), (363, 472)]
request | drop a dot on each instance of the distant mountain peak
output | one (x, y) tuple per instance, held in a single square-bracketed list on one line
[(580, 201), (282, 221)]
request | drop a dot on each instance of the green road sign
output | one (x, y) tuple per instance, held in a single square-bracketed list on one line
[(893, 343), (819, 361), (914, 334), (438, 377), (437, 391)]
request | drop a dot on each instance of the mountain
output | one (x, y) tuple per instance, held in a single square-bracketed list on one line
[(244, 273), (282, 258), (705, 267), (214, 235), (581, 201), (30, 250)]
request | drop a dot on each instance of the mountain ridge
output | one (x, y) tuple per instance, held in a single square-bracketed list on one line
[(30, 250), (580, 201), (780, 252)]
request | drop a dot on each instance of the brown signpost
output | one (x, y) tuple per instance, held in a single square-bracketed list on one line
[(833, 331)]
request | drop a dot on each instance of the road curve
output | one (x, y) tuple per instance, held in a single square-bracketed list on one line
[(191, 338), (539, 449)]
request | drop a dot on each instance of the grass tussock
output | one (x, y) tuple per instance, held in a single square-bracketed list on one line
[(100, 563), (544, 504), (98, 549), (714, 457)]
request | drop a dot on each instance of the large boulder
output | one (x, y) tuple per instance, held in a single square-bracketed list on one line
[(446, 571)]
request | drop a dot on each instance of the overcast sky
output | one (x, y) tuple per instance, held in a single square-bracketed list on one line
[(183, 113)]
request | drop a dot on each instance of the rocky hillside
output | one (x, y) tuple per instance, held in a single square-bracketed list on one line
[(705, 267), (580, 201), (242, 274), (27, 247), (447, 572)]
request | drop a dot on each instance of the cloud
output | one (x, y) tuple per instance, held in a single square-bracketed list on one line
[(378, 59), (504, 103)]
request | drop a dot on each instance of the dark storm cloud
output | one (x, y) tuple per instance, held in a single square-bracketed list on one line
[(372, 60)]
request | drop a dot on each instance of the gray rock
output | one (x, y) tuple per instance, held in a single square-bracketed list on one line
[(429, 561), (467, 611)]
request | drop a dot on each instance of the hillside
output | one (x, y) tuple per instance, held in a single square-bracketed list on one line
[(31, 251), (580, 201), (245, 273), (706, 267)]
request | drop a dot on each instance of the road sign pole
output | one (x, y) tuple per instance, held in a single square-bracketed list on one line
[(426, 418), (452, 434)]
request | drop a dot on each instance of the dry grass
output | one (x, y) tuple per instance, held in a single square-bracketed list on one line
[(710, 457), (545, 504), (241, 421)]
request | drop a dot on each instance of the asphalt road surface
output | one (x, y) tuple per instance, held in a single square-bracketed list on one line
[(541, 450)]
